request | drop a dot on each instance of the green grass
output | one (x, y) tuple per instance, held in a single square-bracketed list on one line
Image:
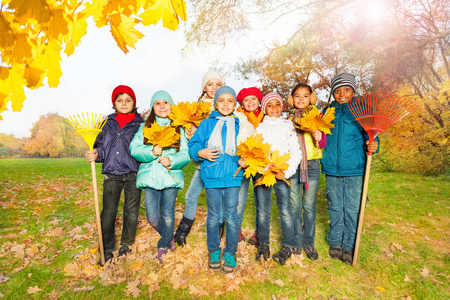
[(47, 221)]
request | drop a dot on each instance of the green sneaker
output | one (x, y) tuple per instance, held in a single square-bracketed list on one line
[(214, 260), (229, 263)]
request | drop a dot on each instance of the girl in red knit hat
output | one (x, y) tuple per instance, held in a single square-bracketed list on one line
[(249, 111), (119, 170)]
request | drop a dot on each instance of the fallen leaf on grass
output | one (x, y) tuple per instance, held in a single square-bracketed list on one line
[(278, 282), (93, 251), (407, 279), (380, 288), (395, 246), (4, 278), (132, 288), (136, 266), (85, 288), (440, 229), (194, 290), (425, 272), (407, 298), (426, 238), (33, 290)]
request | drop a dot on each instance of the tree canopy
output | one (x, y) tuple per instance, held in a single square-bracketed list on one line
[(35, 33)]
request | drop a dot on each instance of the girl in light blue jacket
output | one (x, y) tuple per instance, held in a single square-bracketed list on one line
[(160, 185)]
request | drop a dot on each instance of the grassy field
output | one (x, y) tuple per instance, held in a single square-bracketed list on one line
[(48, 242)]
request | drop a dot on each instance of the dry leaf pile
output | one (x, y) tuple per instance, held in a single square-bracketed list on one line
[(185, 268)]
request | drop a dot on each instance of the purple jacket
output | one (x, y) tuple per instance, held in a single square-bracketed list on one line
[(112, 145)]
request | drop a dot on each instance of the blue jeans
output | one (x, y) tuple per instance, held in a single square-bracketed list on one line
[(160, 210), (344, 201), (282, 193), (243, 194), (193, 192), (303, 202), (112, 189), (218, 200)]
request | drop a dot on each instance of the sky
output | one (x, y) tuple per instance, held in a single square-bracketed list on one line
[(98, 66)]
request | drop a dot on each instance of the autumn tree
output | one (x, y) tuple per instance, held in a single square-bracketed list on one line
[(53, 136), (36, 33), (10, 145)]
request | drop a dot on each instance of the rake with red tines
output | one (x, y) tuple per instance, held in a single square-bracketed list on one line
[(376, 112)]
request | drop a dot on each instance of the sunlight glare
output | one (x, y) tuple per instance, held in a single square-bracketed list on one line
[(375, 12)]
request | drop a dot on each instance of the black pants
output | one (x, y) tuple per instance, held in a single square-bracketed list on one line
[(112, 189)]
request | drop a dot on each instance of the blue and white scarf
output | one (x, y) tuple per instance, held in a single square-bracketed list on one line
[(215, 140)]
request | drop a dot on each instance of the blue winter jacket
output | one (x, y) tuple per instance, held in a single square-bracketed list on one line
[(219, 173), (152, 174), (112, 146), (345, 153)]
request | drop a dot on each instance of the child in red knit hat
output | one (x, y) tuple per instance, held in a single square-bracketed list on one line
[(119, 169), (249, 111)]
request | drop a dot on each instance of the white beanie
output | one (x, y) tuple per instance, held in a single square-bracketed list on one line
[(209, 75)]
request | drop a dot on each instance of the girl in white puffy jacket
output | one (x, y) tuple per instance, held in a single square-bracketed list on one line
[(281, 135)]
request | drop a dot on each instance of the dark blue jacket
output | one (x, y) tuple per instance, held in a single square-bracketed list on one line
[(218, 173), (113, 145), (345, 153)]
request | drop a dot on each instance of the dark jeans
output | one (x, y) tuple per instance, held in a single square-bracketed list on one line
[(282, 194), (112, 189)]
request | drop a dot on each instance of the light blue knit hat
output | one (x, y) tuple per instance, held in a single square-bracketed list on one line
[(224, 90), (161, 95)]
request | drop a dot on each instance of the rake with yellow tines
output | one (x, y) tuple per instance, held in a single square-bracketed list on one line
[(376, 112), (89, 127)]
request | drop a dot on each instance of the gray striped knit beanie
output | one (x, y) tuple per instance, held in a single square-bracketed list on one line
[(343, 79)]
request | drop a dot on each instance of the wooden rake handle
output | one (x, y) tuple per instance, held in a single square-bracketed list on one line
[(363, 207), (97, 213)]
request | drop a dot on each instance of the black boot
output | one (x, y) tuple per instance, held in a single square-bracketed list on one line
[(182, 231)]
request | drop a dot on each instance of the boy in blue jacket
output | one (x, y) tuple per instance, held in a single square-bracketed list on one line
[(343, 164), (214, 146), (119, 170)]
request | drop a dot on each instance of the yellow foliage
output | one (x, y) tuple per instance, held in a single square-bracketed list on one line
[(256, 154), (187, 114), (164, 136), (314, 121), (254, 120), (277, 163), (34, 33)]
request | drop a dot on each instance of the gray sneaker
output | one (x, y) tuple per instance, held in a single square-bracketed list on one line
[(336, 252), (311, 252)]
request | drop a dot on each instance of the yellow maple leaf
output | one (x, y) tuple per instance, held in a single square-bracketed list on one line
[(164, 136), (124, 32), (277, 163), (33, 76), (187, 114), (77, 29), (72, 269), (314, 121), (256, 153), (169, 11)]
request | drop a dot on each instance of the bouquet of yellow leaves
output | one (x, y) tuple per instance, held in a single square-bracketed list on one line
[(277, 163), (256, 155), (313, 120), (164, 136), (187, 114)]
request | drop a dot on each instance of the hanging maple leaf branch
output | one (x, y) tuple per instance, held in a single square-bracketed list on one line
[(35, 32)]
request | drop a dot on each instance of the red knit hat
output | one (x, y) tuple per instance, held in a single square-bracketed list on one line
[(252, 91), (123, 89)]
